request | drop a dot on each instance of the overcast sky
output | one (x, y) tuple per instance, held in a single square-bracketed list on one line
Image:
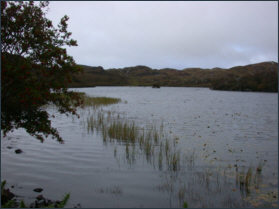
[(170, 34)]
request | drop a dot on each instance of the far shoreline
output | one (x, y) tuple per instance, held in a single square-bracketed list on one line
[(80, 87)]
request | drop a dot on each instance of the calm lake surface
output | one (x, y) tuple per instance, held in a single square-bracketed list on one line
[(223, 131)]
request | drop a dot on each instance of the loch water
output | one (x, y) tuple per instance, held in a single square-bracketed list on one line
[(224, 131)]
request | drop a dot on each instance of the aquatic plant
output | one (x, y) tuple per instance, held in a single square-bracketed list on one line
[(162, 126), (173, 161), (185, 205), (123, 131), (260, 166), (96, 102), (189, 157), (115, 151), (249, 179), (148, 149), (90, 124), (160, 157), (167, 147)]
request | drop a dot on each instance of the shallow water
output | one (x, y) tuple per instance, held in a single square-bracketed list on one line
[(224, 128)]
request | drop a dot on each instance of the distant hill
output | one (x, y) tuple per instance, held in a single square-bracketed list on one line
[(255, 77)]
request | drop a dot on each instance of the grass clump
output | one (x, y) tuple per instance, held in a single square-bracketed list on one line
[(173, 160), (96, 102), (249, 179), (123, 131)]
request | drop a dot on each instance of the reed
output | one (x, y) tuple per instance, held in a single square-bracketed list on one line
[(123, 131), (260, 166), (249, 179), (90, 124), (148, 149), (173, 161), (189, 157), (156, 136), (148, 136), (141, 139), (160, 157), (162, 126), (257, 180), (130, 153), (104, 132), (115, 151), (127, 151), (167, 147)]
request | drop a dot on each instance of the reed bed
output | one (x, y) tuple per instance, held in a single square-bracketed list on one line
[(123, 131), (163, 152), (96, 102)]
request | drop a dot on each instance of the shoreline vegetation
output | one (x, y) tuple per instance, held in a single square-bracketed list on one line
[(8, 200), (260, 77)]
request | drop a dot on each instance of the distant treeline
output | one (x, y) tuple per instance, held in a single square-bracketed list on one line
[(255, 77)]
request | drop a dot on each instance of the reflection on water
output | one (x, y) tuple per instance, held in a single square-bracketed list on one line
[(160, 148)]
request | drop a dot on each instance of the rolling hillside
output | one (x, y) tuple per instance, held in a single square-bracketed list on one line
[(255, 77)]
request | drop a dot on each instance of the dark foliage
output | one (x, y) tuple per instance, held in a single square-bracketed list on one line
[(35, 69)]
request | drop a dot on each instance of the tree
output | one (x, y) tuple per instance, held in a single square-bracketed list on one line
[(35, 69)]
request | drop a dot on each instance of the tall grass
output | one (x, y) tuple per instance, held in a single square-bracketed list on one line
[(123, 131), (173, 161), (247, 180), (96, 102), (189, 157)]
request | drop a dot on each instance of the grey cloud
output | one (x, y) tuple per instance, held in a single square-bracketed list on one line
[(171, 34)]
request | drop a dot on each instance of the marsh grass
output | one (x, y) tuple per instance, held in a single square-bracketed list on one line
[(161, 150), (167, 147), (244, 179), (249, 180), (123, 131), (260, 167), (173, 161), (96, 102), (97, 119), (189, 157), (160, 157), (90, 124)]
